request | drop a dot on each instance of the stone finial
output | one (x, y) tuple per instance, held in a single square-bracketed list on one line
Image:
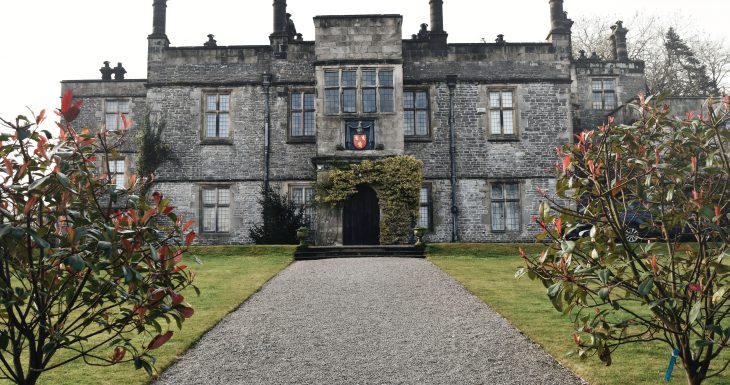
[(582, 55), (211, 41), (106, 71), (500, 39), (119, 72), (595, 57), (299, 37)]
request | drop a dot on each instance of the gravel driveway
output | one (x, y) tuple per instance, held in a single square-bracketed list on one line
[(365, 321)]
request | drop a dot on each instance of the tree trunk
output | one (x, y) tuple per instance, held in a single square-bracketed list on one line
[(694, 377)]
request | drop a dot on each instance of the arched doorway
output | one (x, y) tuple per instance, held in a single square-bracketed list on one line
[(361, 218)]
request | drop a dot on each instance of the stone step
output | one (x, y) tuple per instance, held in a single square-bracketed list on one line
[(358, 251)]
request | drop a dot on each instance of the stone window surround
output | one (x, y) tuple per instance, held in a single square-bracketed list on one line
[(515, 136), (117, 119), (520, 203), (603, 92), (420, 138), (303, 185), (121, 184), (201, 206), (429, 187), (227, 140), (304, 138), (359, 89)]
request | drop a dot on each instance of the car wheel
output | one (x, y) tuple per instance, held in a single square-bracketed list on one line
[(632, 234)]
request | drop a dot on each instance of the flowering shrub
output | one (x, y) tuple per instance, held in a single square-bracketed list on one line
[(80, 276), (675, 174)]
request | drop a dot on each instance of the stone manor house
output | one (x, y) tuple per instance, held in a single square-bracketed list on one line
[(484, 118)]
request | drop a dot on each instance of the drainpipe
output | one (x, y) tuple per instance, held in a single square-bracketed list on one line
[(451, 83), (267, 131)]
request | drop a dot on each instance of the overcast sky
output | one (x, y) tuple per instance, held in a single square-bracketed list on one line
[(46, 41)]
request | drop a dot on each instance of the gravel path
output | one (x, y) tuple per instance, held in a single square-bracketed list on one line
[(365, 321)]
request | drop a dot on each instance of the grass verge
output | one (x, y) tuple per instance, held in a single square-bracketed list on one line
[(228, 276), (488, 270)]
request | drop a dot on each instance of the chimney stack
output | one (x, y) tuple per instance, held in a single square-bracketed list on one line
[(437, 16), (437, 37), (279, 17), (560, 29), (619, 49), (557, 15), (159, 18)]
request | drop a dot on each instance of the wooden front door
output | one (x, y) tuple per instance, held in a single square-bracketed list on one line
[(361, 218)]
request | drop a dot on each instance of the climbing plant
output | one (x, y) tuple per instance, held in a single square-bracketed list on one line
[(399, 180)]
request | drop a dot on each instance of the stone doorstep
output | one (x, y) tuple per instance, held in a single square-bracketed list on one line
[(358, 251)]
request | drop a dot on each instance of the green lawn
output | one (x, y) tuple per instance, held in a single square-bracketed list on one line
[(488, 272), (227, 277)]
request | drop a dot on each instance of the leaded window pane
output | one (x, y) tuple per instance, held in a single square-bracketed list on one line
[(410, 124), (211, 118), (508, 123), (349, 78), (424, 195), (223, 220), (309, 101), (610, 100), (297, 196), (597, 101), (332, 101), (497, 192), (512, 221), (507, 99), (309, 123), (385, 78), (513, 191), (609, 85), (424, 212), (368, 78), (423, 219), (112, 121), (498, 216), (597, 85), (349, 100), (368, 100), (408, 101), (223, 125), (209, 219), (296, 124), (386, 100), (296, 101), (496, 122), (421, 100), (209, 197), (224, 103), (112, 106), (223, 197), (332, 79), (212, 103), (421, 123), (494, 100)]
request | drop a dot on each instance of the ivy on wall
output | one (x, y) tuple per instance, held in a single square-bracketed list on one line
[(398, 181)]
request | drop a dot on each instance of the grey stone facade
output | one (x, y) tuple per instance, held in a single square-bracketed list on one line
[(551, 98)]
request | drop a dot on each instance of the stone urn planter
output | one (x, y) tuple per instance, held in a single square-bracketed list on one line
[(419, 232), (302, 235)]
